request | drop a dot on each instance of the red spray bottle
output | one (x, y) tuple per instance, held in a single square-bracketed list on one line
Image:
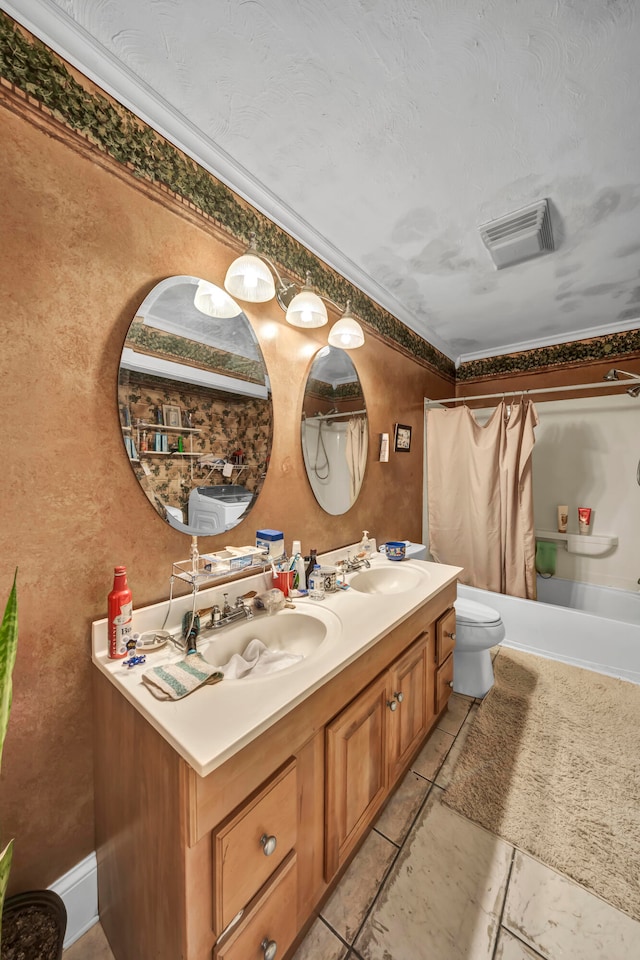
[(120, 615)]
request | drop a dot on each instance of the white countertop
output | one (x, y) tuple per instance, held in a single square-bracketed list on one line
[(214, 722)]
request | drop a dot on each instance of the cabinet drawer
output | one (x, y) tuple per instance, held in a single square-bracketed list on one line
[(445, 635), (271, 919), (242, 847), (444, 683)]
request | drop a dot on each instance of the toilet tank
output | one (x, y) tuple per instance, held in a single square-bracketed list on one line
[(416, 551)]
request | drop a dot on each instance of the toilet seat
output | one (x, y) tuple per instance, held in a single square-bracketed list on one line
[(476, 614)]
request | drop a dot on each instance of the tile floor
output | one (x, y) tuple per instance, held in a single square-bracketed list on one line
[(428, 884)]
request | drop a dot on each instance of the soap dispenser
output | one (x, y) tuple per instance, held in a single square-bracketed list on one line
[(366, 547)]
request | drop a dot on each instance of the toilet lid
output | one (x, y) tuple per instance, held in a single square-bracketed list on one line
[(468, 611)]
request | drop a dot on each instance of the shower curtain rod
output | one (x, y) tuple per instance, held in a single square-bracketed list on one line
[(335, 416), (600, 385)]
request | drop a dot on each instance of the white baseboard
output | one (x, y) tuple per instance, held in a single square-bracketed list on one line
[(79, 891)]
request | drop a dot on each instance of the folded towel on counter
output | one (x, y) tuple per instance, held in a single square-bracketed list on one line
[(175, 680), (257, 660)]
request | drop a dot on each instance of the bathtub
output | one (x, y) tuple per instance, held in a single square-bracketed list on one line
[(603, 636)]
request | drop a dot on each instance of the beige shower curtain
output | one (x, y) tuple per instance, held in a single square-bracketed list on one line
[(480, 496), (357, 446)]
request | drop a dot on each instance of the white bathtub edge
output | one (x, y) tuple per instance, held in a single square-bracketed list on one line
[(630, 675), (596, 643)]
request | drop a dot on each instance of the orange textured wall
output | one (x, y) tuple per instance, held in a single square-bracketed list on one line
[(83, 243)]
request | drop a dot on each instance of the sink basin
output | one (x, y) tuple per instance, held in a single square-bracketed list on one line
[(395, 578), (288, 630)]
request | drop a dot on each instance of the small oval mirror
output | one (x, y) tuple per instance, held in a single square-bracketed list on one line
[(195, 406), (335, 433)]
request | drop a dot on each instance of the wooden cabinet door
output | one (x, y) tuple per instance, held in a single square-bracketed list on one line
[(407, 690), (356, 772)]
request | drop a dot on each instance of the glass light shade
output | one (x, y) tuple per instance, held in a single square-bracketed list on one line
[(346, 333), (249, 278), (213, 301), (307, 310)]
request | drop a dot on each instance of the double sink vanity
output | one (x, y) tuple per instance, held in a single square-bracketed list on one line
[(226, 818)]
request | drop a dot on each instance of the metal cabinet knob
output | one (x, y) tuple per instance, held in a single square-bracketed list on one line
[(270, 948), (452, 635), (451, 683), (269, 844), (392, 704), (399, 697)]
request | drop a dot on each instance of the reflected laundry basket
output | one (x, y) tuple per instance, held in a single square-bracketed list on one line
[(214, 509)]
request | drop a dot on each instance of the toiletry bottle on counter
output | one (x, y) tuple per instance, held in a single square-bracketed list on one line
[(316, 584), (300, 580), (120, 615), (311, 564), (366, 547)]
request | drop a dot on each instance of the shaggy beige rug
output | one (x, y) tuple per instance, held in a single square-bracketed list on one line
[(552, 764)]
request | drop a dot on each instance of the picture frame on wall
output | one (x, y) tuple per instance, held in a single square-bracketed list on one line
[(171, 415), (401, 438)]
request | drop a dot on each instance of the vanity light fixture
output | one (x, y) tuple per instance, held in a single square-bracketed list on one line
[(250, 277), (306, 309), (347, 332), (214, 302)]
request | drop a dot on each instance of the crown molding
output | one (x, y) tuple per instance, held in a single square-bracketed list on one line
[(70, 40), (574, 336)]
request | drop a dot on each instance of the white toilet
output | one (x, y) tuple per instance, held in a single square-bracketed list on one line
[(478, 628)]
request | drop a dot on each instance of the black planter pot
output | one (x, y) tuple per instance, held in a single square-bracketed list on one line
[(33, 926)]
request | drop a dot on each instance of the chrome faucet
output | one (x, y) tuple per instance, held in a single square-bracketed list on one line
[(229, 614), (354, 563)]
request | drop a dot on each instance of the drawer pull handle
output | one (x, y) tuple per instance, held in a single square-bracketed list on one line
[(269, 844), (270, 948), (399, 697), (452, 635), (392, 704), (451, 683)]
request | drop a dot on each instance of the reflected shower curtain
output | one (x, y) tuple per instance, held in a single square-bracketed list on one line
[(480, 496), (356, 452)]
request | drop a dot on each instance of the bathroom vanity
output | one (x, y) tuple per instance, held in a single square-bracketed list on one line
[(238, 808)]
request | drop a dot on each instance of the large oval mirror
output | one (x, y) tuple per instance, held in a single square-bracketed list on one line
[(335, 434), (195, 406)]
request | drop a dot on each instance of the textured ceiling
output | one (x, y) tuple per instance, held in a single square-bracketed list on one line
[(382, 133)]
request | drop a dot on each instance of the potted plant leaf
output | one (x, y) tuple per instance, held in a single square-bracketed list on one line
[(34, 923)]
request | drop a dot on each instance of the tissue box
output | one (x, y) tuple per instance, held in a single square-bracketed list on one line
[(270, 542)]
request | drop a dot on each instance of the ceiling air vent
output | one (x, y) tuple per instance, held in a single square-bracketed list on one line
[(519, 236)]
